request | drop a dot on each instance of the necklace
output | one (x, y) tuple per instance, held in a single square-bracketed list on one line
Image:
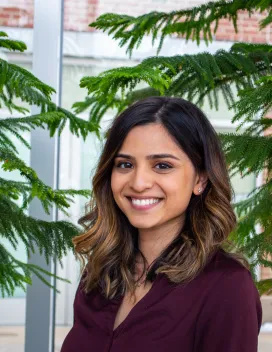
[(143, 280)]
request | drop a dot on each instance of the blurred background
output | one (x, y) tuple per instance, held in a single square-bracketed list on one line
[(87, 52)]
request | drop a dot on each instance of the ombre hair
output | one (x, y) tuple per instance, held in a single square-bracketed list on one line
[(108, 247)]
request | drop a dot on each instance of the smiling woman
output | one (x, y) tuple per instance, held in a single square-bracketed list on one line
[(155, 266), (149, 177)]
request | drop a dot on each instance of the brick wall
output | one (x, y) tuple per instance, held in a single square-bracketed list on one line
[(135, 8), (16, 13), (248, 27), (79, 13)]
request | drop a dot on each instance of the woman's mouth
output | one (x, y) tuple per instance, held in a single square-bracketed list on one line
[(144, 204)]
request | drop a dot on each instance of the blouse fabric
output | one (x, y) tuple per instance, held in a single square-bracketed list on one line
[(218, 311)]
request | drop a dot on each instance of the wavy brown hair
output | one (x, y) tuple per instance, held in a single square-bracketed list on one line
[(108, 247)]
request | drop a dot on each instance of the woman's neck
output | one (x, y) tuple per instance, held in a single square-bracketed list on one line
[(152, 242)]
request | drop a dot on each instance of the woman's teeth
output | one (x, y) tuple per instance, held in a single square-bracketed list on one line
[(144, 201)]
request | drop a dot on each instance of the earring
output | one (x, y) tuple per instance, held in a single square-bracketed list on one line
[(199, 190)]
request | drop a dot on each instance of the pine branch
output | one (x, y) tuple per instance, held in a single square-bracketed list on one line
[(97, 111), (254, 101), (239, 158), (139, 94), (192, 23), (16, 81), (193, 77), (20, 81), (252, 211), (10, 44), (256, 209), (48, 238), (82, 106), (11, 275), (257, 127), (47, 196), (9, 104), (54, 121), (255, 246), (14, 189), (51, 238), (15, 130), (77, 125), (151, 71)]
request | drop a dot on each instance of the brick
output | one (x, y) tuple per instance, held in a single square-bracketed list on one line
[(4, 15), (77, 13), (4, 23)]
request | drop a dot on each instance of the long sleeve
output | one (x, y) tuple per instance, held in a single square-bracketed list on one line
[(231, 317)]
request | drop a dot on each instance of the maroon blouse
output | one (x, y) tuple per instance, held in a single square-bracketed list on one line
[(219, 310)]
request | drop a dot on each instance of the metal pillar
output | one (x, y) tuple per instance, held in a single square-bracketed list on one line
[(47, 66)]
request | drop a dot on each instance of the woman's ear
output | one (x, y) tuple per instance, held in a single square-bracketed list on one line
[(201, 183)]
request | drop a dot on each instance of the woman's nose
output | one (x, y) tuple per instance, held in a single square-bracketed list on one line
[(140, 180)]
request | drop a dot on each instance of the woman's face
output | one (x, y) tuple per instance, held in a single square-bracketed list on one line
[(165, 182)]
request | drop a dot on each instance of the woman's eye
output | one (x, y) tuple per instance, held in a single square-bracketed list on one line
[(126, 165), (121, 165), (164, 166)]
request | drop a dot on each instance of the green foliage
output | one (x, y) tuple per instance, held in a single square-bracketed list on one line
[(241, 75), (51, 239), (255, 100), (194, 23), (17, 82), (195, 77), (20, 83), (20, 273), (10, 44), (238, 147)]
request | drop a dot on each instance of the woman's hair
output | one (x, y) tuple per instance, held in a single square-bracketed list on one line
[(109, 245)]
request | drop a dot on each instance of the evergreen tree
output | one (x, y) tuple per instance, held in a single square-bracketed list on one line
[(51, 238), (245, 67)]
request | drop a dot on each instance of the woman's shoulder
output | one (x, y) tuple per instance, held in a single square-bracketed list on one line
[(230, 300), (224, 262), (224, 273)]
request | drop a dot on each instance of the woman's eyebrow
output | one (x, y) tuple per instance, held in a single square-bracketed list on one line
[(148, 157)]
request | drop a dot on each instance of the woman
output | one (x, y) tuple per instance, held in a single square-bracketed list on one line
[(157, 277)]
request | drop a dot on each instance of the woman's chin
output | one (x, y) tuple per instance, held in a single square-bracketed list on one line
[(143, 224)]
